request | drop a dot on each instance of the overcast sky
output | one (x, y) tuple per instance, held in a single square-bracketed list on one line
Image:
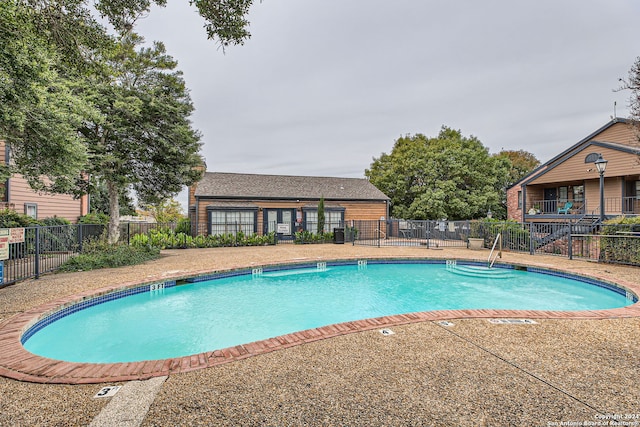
[(323, 86)]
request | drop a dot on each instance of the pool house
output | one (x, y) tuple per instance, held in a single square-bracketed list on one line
[(227, 203)]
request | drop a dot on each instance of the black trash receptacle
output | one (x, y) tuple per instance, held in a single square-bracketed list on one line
[(338, 235)]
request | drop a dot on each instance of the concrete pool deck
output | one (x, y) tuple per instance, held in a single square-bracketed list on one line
[(473, 372)]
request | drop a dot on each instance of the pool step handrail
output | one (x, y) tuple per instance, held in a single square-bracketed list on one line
[(493, 248)]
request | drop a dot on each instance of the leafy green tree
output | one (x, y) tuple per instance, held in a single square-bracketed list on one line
[(449, 176), (521, 164), (165, 211), (99, 198), (143, 140), (39, 113), (70, 90)]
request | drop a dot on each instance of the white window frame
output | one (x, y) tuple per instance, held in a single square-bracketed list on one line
[(31, 209)]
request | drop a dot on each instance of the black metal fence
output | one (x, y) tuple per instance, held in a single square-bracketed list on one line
[(38, 250), (396, 232), (611, 243), (33, 251)]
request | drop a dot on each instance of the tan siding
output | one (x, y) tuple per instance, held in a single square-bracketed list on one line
[(364, 210), (575, 169), (622, 133), (354, 210), (59, 205), (613, 190)]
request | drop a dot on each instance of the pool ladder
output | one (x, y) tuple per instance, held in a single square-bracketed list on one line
[(498, 254)]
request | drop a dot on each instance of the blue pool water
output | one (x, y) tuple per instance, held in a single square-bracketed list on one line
[(204, 316)]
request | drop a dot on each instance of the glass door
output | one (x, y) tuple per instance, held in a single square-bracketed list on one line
[(279, 221)]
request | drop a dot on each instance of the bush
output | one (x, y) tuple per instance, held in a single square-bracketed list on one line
[(624, 246), (164, 238), (55, 221), (513, 235), (99, 254), (305, 236), (11, 219), (184, 226), (94, 218)]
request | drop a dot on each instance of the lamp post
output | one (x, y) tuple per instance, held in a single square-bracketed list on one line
[(601, 166)]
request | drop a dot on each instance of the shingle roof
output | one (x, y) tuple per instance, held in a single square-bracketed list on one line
[(253, 186)]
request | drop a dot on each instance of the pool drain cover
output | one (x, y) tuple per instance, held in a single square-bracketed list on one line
[(513, 322), (107, 391), (386, 332)]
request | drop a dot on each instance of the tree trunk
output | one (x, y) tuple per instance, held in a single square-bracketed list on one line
[(113, 231)]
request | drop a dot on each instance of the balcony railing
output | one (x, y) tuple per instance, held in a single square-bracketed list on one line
[(613, 206)]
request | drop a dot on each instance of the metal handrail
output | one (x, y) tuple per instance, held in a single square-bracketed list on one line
[(495, 242)]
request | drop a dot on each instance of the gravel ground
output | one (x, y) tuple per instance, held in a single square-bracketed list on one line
[(473, 373)]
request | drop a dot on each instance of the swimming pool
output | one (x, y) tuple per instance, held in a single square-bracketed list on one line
[(165, 320)]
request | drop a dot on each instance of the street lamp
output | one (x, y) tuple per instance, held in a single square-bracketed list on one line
[(601, 166)]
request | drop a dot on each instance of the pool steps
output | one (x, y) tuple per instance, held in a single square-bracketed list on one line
[(478, 271)]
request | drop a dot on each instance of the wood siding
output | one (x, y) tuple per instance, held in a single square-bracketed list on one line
[(48, 205), (622, 133), (574, 169), (353, 210)]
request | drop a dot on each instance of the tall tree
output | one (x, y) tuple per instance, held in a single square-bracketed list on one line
[(143, 139), (449, 176), (69, 90), (39, 113), (100, 200), (165, 212), (521, 163)]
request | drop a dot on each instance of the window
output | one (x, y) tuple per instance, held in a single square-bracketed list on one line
[(332, 219), (578, 193), (519, 199), (31, 209), (232, 222), (563, 194)]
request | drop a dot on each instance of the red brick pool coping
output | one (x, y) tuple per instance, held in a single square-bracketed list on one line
[(19, 364)]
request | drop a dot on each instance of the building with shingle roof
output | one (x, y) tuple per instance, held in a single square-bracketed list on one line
[(282, 203), (569, 187)]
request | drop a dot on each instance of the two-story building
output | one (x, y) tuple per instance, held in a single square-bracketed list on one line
[(18, 196), (568, 185)]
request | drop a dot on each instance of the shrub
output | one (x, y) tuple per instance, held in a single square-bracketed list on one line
[(55, 221), (11, 219), (94, 218), (513, 235), (624, 245), (184, 226), (305, 236), (166, 239), (99, 254)]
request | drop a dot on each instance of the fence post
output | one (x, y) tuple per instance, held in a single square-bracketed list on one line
[(379, 233), (570, 241), (80, 237), (128, 233), (36, 260), (532, 242)]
